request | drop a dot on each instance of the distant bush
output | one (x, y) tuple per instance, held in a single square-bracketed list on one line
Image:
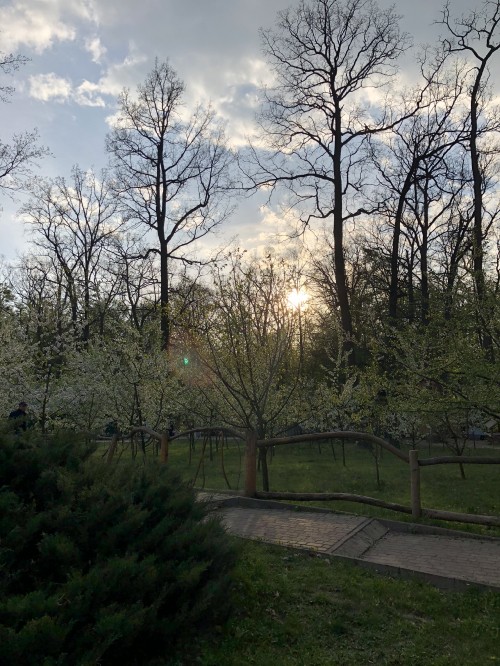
[(100, 565)]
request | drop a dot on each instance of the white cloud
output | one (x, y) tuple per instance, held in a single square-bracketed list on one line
[(45, 87), (33, 23), (95, 48), (125, 74), (85, 9), (38, 24), (273, 221), (253, 71), (265, 228), (87, 94), (50, 87), (113, 120)]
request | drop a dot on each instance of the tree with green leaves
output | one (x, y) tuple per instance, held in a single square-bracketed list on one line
[(246, 348)]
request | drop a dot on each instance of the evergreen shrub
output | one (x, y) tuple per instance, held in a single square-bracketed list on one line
[(103, 565)]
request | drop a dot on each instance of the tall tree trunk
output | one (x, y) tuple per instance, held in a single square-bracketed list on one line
[(338, 238), (477, 236), (396, 234), (164, 298), (86, 313), (477, 256), (411, 288), (424, 265)]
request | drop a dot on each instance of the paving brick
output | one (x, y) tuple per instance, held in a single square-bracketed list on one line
[(463, 559), (435, 557), (361, 540), (313, 531)]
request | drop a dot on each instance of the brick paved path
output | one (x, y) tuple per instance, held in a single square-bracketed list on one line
[(312, 531), (475, 561), (448, 559)]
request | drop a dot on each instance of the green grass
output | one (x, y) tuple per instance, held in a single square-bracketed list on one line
[(313, 468), (296, 609)]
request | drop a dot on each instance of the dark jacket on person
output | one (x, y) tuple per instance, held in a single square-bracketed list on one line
[(21, 419)]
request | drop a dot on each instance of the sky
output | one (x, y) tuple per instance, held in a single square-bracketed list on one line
[(84, 52)]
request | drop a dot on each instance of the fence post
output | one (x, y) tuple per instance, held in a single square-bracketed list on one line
[(250, 464), (112, 448), (164, 447), (416, 507)]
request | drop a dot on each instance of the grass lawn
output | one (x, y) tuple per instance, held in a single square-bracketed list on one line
[(313, 467), (320, 468), (296, 609)]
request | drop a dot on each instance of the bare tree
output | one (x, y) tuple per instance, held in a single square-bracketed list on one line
[(74, 223), (19, 156), (9, 63), (317, 118), (477, 36), (172, 173), (138, 279), (419, 151), (41, 301)]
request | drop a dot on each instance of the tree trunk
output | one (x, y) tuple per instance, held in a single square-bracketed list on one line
[(477, 236), (265, 471), (338, 238), (424, 268), (86, 314), (396, 234), (164, 299)]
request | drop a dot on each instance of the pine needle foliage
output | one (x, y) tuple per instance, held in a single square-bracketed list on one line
[(99, 565)]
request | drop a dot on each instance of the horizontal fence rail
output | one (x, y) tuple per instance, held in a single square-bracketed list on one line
[(346, 497), (416, 510), (467, 460), (253, 446), (340, 434)]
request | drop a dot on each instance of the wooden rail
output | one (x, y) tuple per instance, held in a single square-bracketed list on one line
[(164, 438), (347, 497), (446, 460), (336, 434), (411, 459)]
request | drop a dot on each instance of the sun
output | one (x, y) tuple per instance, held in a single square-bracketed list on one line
[(297, 299)]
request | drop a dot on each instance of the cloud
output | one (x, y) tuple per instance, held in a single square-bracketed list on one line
[(261, 227), (38, 24), (95, 48), (125, 74), (84, 9), (34, 24), (50, 87), (45, 87), (87, 94), (232, 86)]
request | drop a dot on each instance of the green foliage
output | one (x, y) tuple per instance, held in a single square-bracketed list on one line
[(439, 379), (331, 467), (102, 566), (245, 345), (294, 609)]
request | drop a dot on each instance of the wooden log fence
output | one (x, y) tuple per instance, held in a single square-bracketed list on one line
[(252, 446), (164, 439), (415, 509)]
